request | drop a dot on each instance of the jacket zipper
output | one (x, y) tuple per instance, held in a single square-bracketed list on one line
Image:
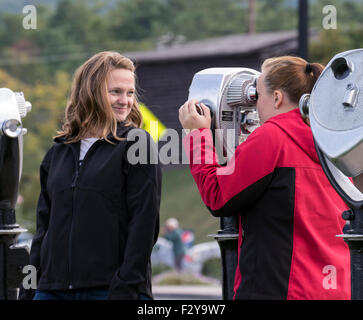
[(74, 184), (74, 197)]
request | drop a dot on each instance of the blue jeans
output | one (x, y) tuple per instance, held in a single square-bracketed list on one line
[(74, 294)]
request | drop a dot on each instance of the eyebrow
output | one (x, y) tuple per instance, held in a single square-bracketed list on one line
[(113, 88)]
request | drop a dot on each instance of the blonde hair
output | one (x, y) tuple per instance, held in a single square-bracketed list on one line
[(88, 108), (294, 75)]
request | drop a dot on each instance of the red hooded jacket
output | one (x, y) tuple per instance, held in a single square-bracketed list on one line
[(289, 213)]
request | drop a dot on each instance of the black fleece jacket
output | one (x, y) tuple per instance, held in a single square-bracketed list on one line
[(97, 223)]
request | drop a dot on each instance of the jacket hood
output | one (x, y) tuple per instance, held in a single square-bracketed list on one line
[(293, 125), (121, 131)]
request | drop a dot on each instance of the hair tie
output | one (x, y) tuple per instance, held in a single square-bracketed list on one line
[(308, 68)]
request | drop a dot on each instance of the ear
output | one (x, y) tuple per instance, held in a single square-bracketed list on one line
[(278, 99)]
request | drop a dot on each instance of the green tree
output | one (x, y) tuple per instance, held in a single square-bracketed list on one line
[(346, 36), (349, 13), (275, 15), (138, 19), (206, 19), (10, 29), (48, 102), (18, 45)]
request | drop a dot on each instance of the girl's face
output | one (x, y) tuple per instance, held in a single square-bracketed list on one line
[(121, 92), (265, 102)]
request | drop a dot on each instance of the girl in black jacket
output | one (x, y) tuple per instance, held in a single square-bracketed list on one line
[(98, 210)]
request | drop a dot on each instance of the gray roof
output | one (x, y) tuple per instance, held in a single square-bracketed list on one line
[(226, 45)]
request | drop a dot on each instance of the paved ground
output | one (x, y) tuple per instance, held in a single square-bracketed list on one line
[(172, 285), (187, 292)]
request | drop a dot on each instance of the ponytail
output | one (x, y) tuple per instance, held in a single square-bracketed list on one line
[(294, 75), (314, 69)]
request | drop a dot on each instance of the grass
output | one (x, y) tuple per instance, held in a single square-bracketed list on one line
[(180, 199)]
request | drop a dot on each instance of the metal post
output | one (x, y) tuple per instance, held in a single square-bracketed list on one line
[(227, 239), (11, 258), (252, 17), (303, 29), (2, 271), (352, 231), (353, 236)]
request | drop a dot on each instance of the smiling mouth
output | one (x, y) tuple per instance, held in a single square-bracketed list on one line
[(120, 108)]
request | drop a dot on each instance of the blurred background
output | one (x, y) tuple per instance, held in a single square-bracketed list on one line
[(169, 40)]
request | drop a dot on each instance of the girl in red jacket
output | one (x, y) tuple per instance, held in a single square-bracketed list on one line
[(289, 213)]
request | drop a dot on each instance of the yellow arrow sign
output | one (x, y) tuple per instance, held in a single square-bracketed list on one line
[(151, 123)]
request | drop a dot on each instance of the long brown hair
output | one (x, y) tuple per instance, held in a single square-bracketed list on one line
[(294, 75), (88, 109)]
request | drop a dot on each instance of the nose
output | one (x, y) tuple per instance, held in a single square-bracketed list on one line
[(122, 99)]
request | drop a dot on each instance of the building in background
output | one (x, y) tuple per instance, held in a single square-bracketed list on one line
[(165, 74)]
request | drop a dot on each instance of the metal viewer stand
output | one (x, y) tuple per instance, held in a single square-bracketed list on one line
[(352, 231), (227, 239), (12, 258), (335, 113)]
